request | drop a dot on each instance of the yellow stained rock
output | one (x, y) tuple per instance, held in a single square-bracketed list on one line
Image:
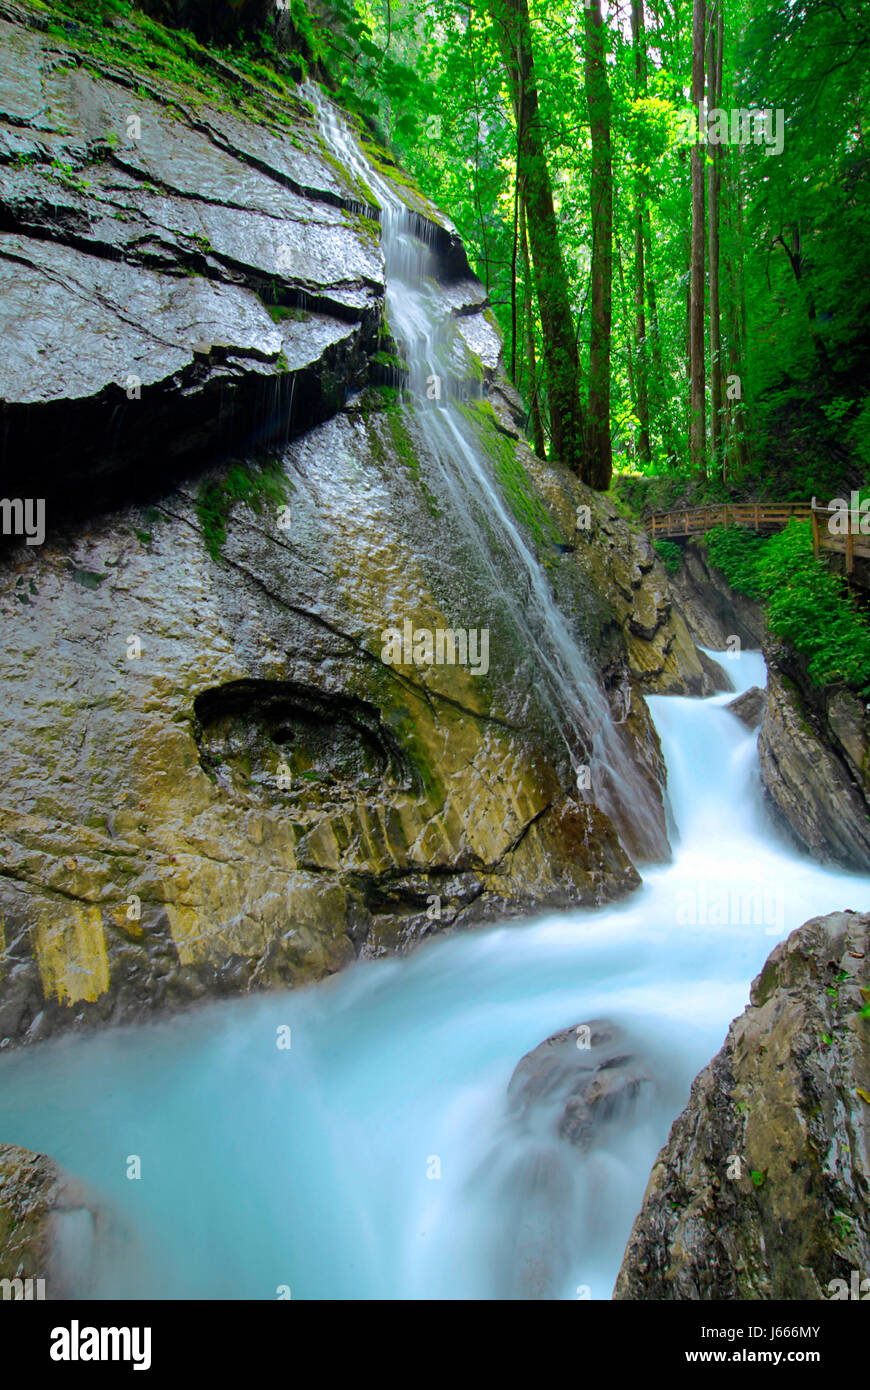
[(71, 954)]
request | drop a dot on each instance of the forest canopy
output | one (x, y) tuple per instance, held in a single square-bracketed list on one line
[(667, 202)]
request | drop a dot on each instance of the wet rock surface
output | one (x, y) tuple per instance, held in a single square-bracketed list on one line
[(748, 707), (49, 1229), (713, 611), (763, 1188), (661, 651), (577, 1082), (567, 1100), (213, 781), (814, 752), (168, 265)]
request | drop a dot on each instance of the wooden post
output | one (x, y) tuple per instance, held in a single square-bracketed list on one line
[(850, 558), (815, 534), (757, 527)]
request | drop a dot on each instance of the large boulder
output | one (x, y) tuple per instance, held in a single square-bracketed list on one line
[(763, 1188), (577, 1083), (568, 1099), (748, 707)]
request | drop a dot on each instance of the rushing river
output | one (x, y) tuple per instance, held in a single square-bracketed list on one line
[(314, 1167)]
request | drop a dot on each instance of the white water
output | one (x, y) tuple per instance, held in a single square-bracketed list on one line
[(308, 1167), (420, 321)]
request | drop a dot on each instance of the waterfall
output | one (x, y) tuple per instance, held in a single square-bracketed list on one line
[(380, 1157), (420, 321)]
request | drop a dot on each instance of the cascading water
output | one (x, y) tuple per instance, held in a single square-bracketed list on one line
[(378, 1157), (420, 321)]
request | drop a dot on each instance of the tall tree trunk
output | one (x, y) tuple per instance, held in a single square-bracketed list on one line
[(632, 349), (714, 180), (687, 335), (697, 401), (535, 420), (644, 450), (655, 358), (515, 247), (598, 458), (561, 357), (736, 320)]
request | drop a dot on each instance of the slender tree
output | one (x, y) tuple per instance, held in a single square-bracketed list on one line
[(598, 457), (531, 356), (640, 333), (697, 400), (714, 179), (561, 356)]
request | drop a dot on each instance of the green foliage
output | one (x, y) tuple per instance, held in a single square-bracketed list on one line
[(737, 553), (807, 605), (671, 555), (255, 486), (279, 313)]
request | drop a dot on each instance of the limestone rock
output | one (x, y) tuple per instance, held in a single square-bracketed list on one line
[(748, 707), (566, 1099), (817, 785), (713, 611), (577, 1083), (50, 1229), (763, 1188)]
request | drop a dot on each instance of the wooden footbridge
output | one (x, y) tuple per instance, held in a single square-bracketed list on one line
[(756, 516), (843, 538)]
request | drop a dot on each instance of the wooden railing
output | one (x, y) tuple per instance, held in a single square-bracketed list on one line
[(757, 516), (769, 516), (851, 542)]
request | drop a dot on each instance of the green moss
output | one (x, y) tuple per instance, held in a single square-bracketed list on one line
[(524, 502), (256, 486), (407, 453), (279, 312), (369, 229), (245, 80)]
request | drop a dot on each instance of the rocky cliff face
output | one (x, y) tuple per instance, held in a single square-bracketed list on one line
[(762, 1189), (814, 751), (212, 778), (713, 611)]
